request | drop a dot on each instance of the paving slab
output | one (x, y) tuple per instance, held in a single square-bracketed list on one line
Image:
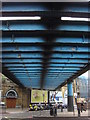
[(19, 114), (51, 118)]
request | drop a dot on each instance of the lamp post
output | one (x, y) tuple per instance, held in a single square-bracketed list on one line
[(43, 97), (22, 99)]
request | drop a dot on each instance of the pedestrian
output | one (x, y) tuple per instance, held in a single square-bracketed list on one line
[(81, 106), (78, 108)]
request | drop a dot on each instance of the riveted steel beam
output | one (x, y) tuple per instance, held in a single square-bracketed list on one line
[(12, 77), (83, 70)]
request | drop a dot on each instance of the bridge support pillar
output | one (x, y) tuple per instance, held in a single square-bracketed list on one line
[(70, 97)]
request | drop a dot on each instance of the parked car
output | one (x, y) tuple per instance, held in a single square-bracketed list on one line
[(2, 104)]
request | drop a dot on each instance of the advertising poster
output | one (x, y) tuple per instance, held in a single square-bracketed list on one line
[(39, 96), (56, 96)]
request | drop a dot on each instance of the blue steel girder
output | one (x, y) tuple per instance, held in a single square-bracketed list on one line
[(55, 69), (23, 6), (52, 62), (27, 6), (48, 53), (34, 40), (22, 40), (35, 55), (74, 11), (74, 26), (35, 48), (21, 48), (31, 26), (43, 33), (74, 76)]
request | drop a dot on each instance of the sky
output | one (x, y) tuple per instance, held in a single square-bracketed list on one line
[(85, 75)]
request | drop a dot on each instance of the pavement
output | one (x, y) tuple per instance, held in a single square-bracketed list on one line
[(18, 114)]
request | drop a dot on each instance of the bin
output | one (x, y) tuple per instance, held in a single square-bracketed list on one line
[(51, 111), (2, 107), (55, 111), (61, 108), (78, 112)]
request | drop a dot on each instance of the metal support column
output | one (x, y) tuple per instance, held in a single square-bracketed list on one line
[(48, 96), (30, 95), (70, 97)]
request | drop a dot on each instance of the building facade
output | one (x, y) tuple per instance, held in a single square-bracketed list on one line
[(13, 95)]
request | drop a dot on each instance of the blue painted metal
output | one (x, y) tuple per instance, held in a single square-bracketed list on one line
[(24, 27), (23, 7), (26, 68), (33, 26), (71, 48), (72, 40), (68, 61), (38, 61), (70, 89), (35, 55), (42, 7), (25, 71), (24, 56), (73, 27), (67, 64), (23, 48), (21, 60), (76, 8), (70, 55), (61, 68), (22, 40), (61, 49), (20, 64), (62, 71)]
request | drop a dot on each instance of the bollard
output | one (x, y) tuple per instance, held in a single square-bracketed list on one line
[(55, 110), (81, 108), (78, 112), (3, 109), (61, 109), (51, 111)]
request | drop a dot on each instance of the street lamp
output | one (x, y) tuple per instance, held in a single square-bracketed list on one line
[(43, 96)]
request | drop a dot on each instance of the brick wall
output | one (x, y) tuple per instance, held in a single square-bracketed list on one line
[(23, 98)]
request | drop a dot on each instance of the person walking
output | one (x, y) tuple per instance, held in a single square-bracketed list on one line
[(82, 106)]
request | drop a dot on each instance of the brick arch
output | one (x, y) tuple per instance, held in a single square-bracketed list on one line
[(11, 94)]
